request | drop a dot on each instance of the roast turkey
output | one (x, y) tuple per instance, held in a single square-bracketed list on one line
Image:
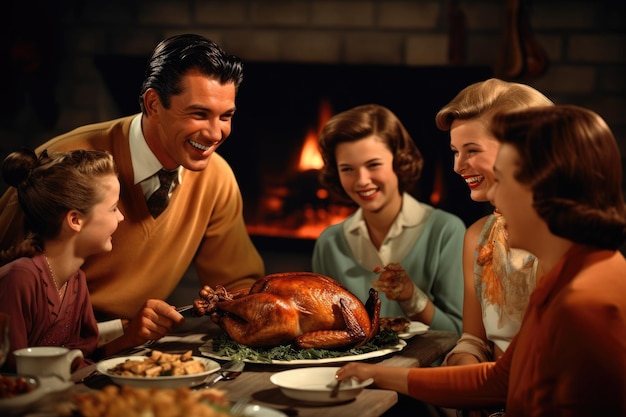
[(302, 308)]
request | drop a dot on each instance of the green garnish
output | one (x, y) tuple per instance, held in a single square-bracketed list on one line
[(224, 346)]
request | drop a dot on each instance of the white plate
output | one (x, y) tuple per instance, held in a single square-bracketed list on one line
[(42, 386), (207, 350), (157, 381), (316, 384), (253, 410), (415, 328)]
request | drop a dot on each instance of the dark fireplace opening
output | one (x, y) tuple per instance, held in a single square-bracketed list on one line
[(280, 109), (280, 105)]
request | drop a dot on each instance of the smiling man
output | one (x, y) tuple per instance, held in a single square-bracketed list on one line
[(187, 104)]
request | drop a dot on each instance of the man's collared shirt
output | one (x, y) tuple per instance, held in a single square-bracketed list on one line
[(145, 164)]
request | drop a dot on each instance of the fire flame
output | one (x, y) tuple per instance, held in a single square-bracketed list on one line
[(310, 156), (312, 220), (435, 196)]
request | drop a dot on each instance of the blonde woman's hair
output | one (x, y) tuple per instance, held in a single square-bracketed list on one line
[(486, 98)]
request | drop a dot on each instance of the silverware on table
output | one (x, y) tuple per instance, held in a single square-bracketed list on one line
[(230, 370), (185, 310)]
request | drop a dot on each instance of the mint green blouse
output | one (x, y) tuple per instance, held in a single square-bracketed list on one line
[(434, 263)]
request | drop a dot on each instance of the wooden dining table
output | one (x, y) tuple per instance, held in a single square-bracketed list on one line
[(420, 351)]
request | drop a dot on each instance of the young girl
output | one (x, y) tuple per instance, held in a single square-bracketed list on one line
[(69, 200), (558, 183), (370, 158)]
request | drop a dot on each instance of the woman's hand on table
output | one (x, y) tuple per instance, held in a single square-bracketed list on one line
[(385, 377)]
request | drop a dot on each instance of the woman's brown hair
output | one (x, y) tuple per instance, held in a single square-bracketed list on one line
[(361, 122), (570, 160)]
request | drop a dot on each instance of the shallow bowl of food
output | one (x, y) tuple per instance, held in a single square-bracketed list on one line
[(20, 393), (316, 384), (110, 368)]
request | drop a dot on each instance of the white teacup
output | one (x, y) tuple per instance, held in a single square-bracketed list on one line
[(46, 361)]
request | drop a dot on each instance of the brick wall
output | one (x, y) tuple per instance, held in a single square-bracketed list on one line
[(585, 42)]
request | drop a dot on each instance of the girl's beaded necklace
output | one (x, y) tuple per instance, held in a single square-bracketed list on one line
[(60, 290)]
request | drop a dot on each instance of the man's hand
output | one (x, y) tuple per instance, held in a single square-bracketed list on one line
[(154, 320)]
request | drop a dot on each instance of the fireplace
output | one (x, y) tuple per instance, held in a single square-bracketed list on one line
[(282, 106), (280, 109)]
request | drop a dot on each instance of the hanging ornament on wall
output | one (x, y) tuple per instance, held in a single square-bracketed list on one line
[(521, 56)]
